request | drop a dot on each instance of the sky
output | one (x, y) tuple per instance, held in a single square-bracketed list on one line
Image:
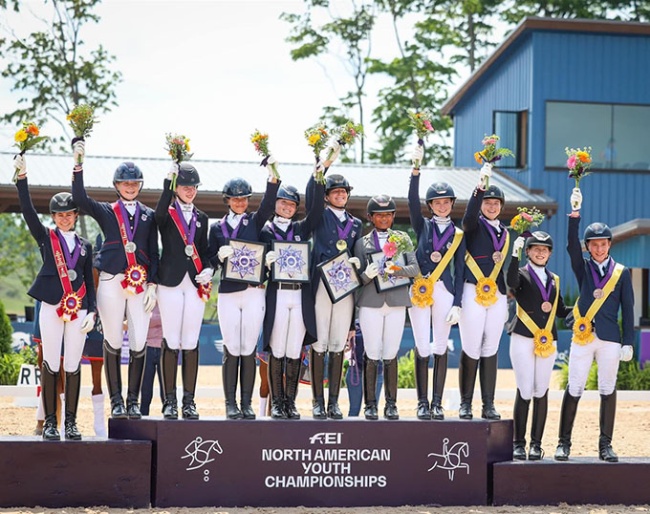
[(212, 70)]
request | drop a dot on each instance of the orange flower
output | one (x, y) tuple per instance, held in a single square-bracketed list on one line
[(32, 129), (584, 157)]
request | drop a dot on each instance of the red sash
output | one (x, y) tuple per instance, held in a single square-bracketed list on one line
[(135, 274), (203, 290), (70, 303)]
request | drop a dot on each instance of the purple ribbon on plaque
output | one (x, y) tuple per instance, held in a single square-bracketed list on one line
[(189, 230), (278, 236), (125, 216), (224, 227), (545, 290), (600, 282), (439, 242), (70, 259), (498, 241)]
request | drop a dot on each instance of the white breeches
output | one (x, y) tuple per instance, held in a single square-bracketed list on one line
[(333, 321), (423, 318), (481, 327), (382, 330), (607, 355), (54, 332), (288, 326), (532, 373), (241, 315), (181, 314), (113, 301)]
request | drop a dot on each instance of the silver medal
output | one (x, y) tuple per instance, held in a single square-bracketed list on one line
[(72, 274), (130, 247), (189, 250)]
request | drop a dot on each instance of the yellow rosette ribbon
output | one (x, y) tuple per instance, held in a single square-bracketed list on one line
[(486, 291), (543, 343), (582, 331), (422, 292)]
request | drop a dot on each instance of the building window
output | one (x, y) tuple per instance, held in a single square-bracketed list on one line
[(617, 134), (512, 129)]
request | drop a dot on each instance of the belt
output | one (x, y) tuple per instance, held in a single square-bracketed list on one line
[(289, 286), (259, 286)]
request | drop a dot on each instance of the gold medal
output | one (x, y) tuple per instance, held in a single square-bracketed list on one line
[(598, 293), (546, 307), (341, 245), (497, 256), (436, 256)]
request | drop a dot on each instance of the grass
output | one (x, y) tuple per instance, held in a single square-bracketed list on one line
[(14, 295)]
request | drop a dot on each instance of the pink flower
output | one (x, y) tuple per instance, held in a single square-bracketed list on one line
[(527, 216), (489, 141), (389, 249), (571, 162), (427, 125), (353, 133)]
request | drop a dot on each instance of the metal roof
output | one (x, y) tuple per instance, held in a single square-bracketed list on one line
[(50, 173)]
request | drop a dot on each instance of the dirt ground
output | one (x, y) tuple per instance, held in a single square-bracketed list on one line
[(630, 440)]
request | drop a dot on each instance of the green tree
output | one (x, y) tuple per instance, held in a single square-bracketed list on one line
[(19, 253), (52, 70), (514, 11), (5, 331)]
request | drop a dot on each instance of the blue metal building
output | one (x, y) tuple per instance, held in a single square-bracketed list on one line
[(570, 83)]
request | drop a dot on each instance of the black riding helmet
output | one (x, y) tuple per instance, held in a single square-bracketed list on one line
[(62, 202), (539, 238), (187, 175), (236, 188)]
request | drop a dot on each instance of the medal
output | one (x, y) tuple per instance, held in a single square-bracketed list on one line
[(546, 307), (598, 293), (341, 245), (130, 247), (436, 256), (72, 275), (189, 250), (497, 256)]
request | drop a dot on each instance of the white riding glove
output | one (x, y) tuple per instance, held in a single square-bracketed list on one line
[(20, 165), (332, 150), (88, 323), (173, 171), (79, 152), (517, 246), (417, 155), (224, 252), (319, 169), (355, 262), (453, 316), (205, 276), (484, 175), (272, 166), (150, 298), (270, 258), (576, 199), (627, 352), (372, 270)]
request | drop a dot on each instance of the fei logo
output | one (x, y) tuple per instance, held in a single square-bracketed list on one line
[(326, 438)]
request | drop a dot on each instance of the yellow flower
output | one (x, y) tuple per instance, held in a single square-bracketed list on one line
[(313, 139), (20, 136), (515, 220), (486, 292), (422, 292), (543, 343), (583, 156)]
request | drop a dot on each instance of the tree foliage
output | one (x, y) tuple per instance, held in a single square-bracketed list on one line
[(52, 70), (5, 331), (19, 253)]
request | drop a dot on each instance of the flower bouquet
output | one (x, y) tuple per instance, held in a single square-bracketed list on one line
[(421, 123), (178, 148), (81, 119), (524, 220), (261, 143), (316, 137), (578, 162), (346, 135), (396, 244), (490, 153), (27, 138)]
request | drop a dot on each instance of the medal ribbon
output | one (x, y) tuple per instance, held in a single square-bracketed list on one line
[(62, 270), (375, 237), (224, 227), (70, 259), (125, 214), (476, 271), (189, 231), (345, 231), (545, 291), (125, 230), (438, 243), (528, 321), (278, 236), (600, 282), (446, 258), (499, 242), (595, 306)]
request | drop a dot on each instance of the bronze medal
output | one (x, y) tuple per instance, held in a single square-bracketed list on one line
[(497, 256), (341, 245), (598, 293), (546, 307), (436, 256), (130, 247), (189, 250), (72, 275)]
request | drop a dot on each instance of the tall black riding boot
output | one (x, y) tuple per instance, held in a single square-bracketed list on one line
[(230, 375), (488, 379), (248, 371), (113, 372), (49, 381), (190, 371), (540, 410), (276, 385), (370, 374), (390, 389), (422, 386), (292, 375), (72, 388), (467, 369), (169, 370), (567, 417), (335, 372), (607, 416), (136, 370), (439, 377), (520, 419), (317, 373)]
